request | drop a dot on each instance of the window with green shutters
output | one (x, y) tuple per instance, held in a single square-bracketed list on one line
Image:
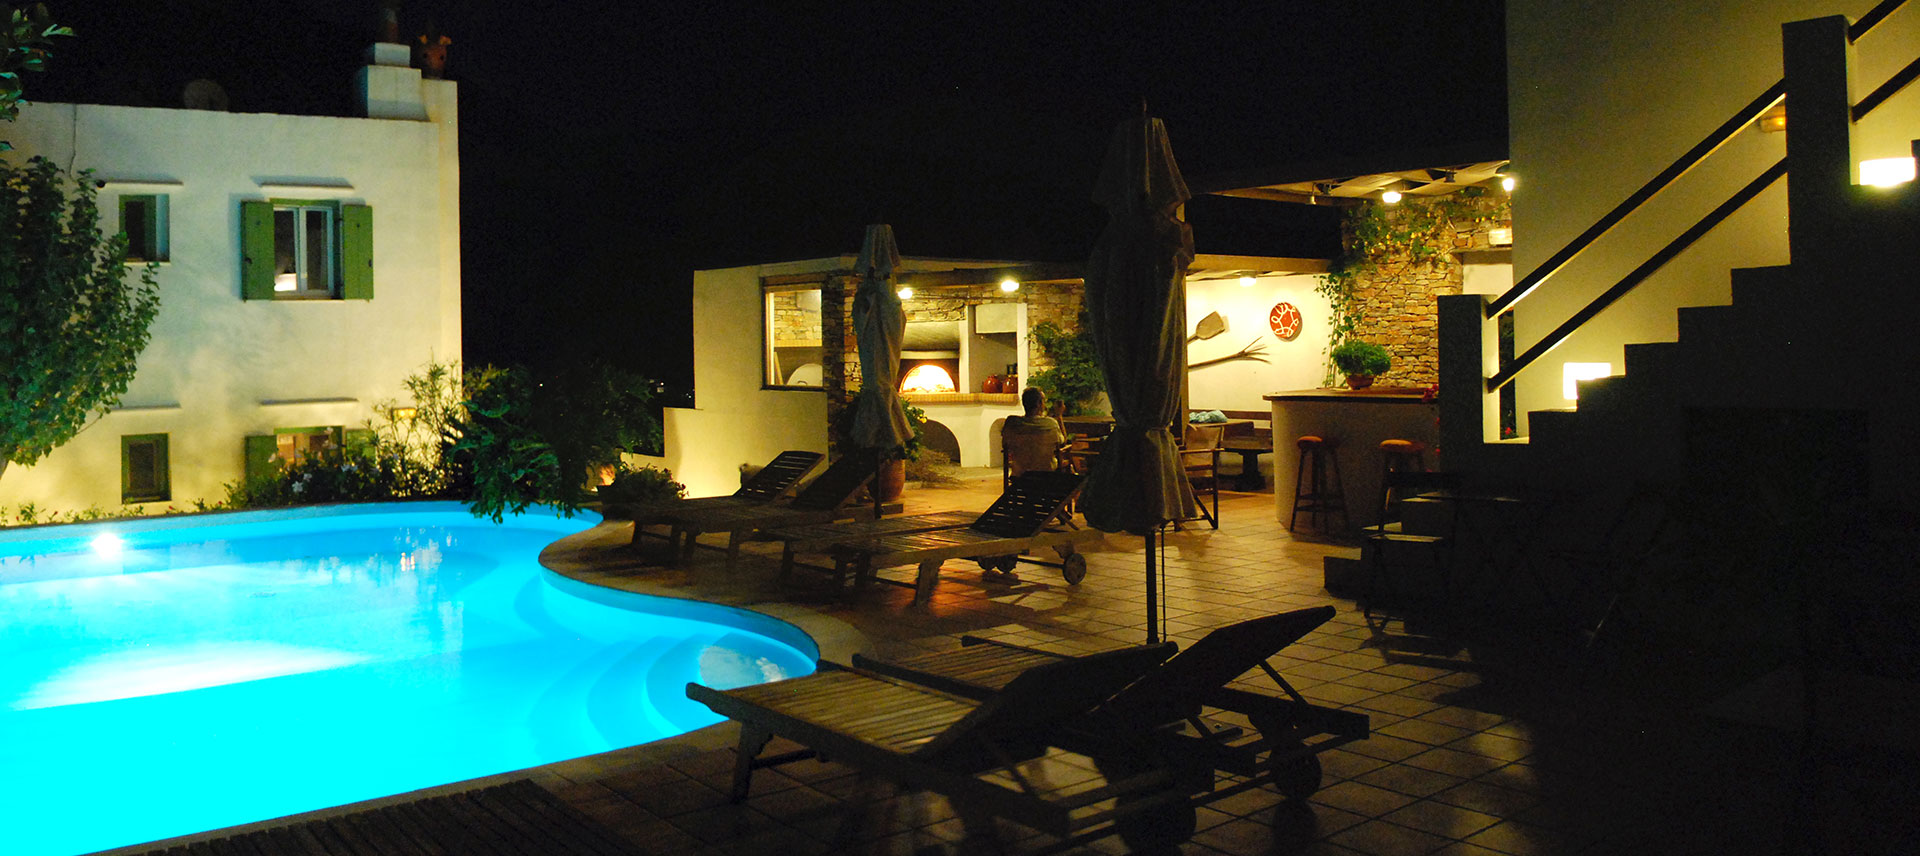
[(143, 219), (306, 250), (144, 469)]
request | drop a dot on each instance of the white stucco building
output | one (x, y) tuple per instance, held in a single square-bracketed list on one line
[(307, 264)]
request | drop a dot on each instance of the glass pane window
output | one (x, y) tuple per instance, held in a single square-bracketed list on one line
[(794, 343), (304, 249), (143, 219)]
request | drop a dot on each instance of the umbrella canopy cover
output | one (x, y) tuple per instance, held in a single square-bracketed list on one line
[(879, 323), (1137, 312)]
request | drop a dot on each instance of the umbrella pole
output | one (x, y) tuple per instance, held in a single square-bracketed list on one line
[(1153, 595), (879, 471)]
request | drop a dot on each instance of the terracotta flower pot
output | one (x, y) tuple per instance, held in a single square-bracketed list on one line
[(893, 480), (1359, 381)]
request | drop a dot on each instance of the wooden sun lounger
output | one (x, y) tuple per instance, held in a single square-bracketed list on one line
[(968, 750), (1017, 522), (1288, 733), (808, 539), (829, 497), (770, 483)]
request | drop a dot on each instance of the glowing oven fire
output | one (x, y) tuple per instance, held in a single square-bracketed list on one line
[(927, 377)]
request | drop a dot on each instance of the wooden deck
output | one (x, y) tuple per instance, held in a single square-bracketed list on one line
[(515, 819)]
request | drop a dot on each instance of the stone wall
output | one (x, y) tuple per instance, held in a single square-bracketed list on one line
[(796, 319), (1399, 297)]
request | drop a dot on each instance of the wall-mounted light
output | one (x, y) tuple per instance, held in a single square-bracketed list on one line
[(404, 414), (1886, 172), (905, 292), (1009, 285), (1571, 374), (1500, 236), (1507, 183), (1390, 197), (1246, 282)]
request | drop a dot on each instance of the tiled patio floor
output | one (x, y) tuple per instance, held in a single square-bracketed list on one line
[(1478, 748)]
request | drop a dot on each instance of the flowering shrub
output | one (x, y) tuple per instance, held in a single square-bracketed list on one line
[(645, 485)]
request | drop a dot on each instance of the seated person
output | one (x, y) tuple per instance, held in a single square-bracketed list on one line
[(1031, 441)]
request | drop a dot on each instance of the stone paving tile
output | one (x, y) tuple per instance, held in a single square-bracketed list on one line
[(1409, 780), (1380, 838), (1447, 821)]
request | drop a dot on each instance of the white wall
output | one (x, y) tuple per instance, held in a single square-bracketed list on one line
[(1290, 365), (1599, 108), (215, 359), (736, 420)]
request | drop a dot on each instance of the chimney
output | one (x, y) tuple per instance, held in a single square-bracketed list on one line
[(389, 87)]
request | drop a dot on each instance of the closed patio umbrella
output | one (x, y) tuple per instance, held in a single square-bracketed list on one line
[(1136, 306), (879, 323)]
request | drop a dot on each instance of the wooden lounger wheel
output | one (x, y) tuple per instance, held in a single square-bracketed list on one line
[(1158, 828), (1296, 777), (1074, 568)]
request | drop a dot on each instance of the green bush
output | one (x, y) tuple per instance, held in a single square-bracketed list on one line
[(525, 441), (648, 484), (1355, 357), (1075, 378)]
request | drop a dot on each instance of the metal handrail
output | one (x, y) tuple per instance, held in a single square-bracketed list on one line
[(1894, 84), (1554, 339), (1673, 172), (1872, 19)]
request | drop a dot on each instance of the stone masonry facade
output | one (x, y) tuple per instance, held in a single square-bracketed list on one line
[(1399, 297)]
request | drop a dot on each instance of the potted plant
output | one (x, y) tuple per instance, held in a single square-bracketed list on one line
[(893, 474), (1360, 361)]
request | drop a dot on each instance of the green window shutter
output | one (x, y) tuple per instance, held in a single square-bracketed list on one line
[(358, 442), (143, 468), (256, 250), (356, 252), (260, 451)]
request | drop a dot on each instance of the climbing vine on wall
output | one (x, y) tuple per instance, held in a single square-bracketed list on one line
[(1382, 240)]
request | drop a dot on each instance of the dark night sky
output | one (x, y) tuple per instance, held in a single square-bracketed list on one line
[(610, 148)]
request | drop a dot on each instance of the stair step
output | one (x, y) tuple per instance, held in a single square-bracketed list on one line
[(1659, 359), (1762, 287), (1605, 392), (1709, 326), (1551, 426)]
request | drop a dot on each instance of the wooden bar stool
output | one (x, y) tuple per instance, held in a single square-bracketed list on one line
[(1322, 494), (1399, 456)]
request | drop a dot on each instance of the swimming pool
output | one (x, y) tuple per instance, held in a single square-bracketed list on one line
[(165, 676)]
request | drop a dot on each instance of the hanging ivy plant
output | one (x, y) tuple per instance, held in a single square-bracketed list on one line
[(1386, 240)]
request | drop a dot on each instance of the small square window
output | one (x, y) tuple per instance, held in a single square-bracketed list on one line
[(144, 470), (795, 342), (143, 219)]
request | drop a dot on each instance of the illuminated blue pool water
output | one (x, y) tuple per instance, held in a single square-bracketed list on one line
[(167, 676)]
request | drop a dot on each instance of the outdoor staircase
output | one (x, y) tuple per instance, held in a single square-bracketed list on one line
[(1797, 397)]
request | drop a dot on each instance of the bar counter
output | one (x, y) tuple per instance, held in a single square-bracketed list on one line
[(1358, 420)]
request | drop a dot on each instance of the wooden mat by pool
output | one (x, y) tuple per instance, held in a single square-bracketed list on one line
[(515, 819)]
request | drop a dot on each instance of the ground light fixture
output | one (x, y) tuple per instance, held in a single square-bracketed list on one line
[(1571, 374), (905, 292), (1390, 197), (1508, 183), (1886, 172), (1246, 282), (1009, 285)]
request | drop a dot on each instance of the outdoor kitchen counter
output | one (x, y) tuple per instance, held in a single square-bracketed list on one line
[(1358, 420)]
